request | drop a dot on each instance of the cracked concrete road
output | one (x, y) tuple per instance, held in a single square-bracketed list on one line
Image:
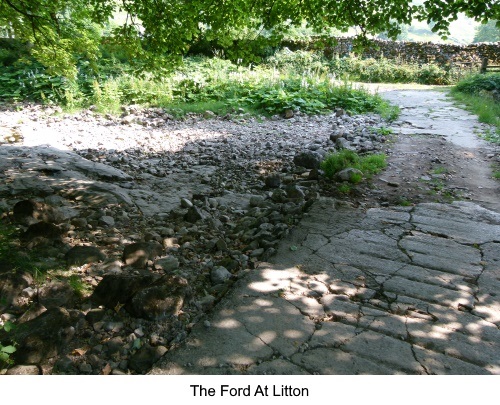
[(402, 290)]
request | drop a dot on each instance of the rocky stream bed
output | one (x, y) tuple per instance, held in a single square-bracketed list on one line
[(143, 222)]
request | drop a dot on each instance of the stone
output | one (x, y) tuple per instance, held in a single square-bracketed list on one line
[(41, 338), (195, 214), (209, 114), (118, 289), (294, 192), (185, 203), (349, 174), (106, 221), (12, 284), (137, 254), (145, 357), (41, 231), (308, 160), (36, 309), (28, 212), (160, 301), (273, 181), (80, 255), (24, 370), (56, 294), (167, 264), (219, 275)]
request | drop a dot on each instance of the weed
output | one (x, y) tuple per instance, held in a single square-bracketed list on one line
[(76, 283), (495, 171), (440, 170), (356, 178), (403, 202), (382, 131), (336, 162), (344, 188), (368, 165)]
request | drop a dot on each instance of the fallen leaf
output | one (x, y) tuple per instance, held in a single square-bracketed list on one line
[(79, 352), (106, 370)]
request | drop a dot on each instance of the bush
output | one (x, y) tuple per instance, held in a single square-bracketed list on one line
[(479, 83)]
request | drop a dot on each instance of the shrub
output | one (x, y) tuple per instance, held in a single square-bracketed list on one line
[(476, 84)]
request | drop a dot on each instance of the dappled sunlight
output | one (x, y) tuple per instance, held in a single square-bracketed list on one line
[(293, 334), (273, 280), (228, 323), (268, 336)]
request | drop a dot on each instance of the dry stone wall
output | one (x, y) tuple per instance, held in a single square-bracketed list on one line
[(419, 52)]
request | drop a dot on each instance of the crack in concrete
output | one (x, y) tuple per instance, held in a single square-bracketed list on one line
[(409, 340)]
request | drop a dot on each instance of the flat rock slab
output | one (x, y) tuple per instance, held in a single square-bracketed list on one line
[(387, 291)]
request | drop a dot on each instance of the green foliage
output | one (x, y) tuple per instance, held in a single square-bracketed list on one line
[(344, 188), (76, 283), (479, 93), (156, 35), (339, 161), (201, 83), (368, 165), (385, 70), (488, 32), (372, 164), (479, 83), (7, 350)]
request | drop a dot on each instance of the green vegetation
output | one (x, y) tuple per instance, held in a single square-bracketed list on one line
[(6, 351), (299, 82), (385, 70), (440, 170), (155, 35), (10, 252), (488, 32), (368, 165), (344, 188), (480, 94)]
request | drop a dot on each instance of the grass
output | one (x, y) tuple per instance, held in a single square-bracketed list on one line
[(344, 188), (440, 170), (81, 289), (476, 94), (368, 165), (403, 202), (495, 171)]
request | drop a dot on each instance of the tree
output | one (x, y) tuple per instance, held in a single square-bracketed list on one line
[(158, 32), (487, 32)]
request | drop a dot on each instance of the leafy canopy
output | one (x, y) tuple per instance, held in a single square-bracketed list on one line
[(157, 33)]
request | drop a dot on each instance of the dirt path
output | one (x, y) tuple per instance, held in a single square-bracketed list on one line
[(437, 155)]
